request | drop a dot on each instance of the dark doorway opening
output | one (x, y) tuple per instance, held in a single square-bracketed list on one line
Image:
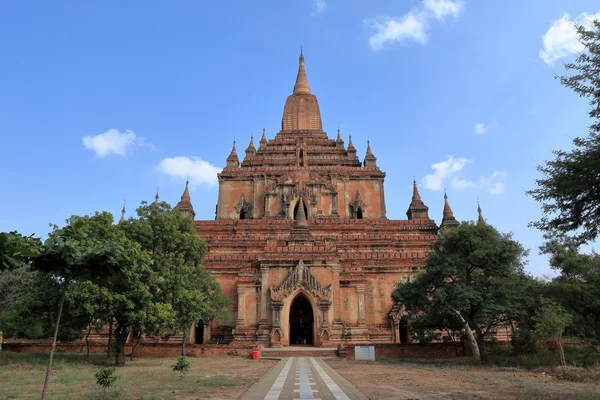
[(301, 321), (199, 332), (242, 214), (296, 209), (403, 330)]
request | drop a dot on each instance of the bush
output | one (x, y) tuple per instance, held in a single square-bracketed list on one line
[(106, 377), (182, 366), (523, 341)]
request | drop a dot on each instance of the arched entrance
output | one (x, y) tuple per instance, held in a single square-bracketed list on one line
[(301, 322), (200, 332)]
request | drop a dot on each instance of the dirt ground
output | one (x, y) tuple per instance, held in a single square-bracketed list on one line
[(398, 380), (22, 376)]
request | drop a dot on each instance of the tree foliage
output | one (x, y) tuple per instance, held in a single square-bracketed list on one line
[(570, 186), (473, 280), (176, 253), (17, 250), (577, 287)]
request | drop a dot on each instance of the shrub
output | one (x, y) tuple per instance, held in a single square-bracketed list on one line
[(182, 366), (106, 377)]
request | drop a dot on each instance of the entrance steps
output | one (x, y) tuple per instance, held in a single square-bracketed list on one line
[(299, 351)]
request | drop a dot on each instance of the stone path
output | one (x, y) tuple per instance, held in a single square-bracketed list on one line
[(303, 378)]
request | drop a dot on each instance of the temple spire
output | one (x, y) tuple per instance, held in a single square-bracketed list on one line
[(251, 150), (417, 209), (233, 160), (301, 86), (480, 220), (263, 139), (122, 219), (351, 149), (448, 220), (185, 204), (156, 197), (370, 159)]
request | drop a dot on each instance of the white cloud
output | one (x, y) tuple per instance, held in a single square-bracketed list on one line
[(482, 129), (112, 142), (444, 170), (561, 39), (493, 183), (320, 6), (442, 8), (198, 171), (450, 172), (414, 24), (411, 26)]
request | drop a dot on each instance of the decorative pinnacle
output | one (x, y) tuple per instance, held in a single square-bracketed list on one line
[(156, 197), (480, 219), (416, 195), (301, 86), (123, 209)]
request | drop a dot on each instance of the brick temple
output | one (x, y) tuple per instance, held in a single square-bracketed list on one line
[(301, 242)]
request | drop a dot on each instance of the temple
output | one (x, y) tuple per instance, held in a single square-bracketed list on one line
[(301, 242)]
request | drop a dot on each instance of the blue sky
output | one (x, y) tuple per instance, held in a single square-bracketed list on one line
[(105, 101)]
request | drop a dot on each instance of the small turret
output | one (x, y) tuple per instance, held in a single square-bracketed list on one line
[(233, 160), (185, 204), (263, 140), (351, 150), (339, 142), (370, 159), (417, 209), (122, 219), (251, 150), (480, 220), (448, 220)]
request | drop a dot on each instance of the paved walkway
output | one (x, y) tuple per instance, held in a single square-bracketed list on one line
[(303, 378)]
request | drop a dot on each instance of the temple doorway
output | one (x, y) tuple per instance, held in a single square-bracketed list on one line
[(200, 333), (301, 322)]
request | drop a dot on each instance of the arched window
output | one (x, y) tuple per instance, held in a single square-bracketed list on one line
[(242, 214), (359, 214), (301, 158)]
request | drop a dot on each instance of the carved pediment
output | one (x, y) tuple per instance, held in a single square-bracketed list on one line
[(242, 204), (300, 277)]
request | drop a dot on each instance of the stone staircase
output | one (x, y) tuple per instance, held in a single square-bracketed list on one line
[(298, 351)]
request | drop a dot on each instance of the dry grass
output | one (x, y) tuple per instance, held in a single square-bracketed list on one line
[(399, 380), (22, 374)]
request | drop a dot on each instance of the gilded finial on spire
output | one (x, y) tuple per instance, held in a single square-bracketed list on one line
[(301, 86)]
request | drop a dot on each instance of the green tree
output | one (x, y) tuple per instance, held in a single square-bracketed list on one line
[(176, 253), (550, 323), (577, 287), (87, 248), (16, 249), (473, 278), (92, 303), (569, 186)]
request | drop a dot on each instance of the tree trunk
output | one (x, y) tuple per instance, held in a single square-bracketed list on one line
[(470, 337), (561, 353), (120, 338), (482, 350), (135, 345), (110, 332), (183, 345), (49, 368), (87, 341)]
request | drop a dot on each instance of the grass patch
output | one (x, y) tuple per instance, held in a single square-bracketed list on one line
[(218, 381), (70, 378), (22, 377)]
